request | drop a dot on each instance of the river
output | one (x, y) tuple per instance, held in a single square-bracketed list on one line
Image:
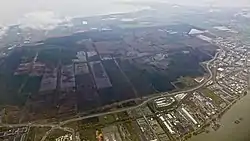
[(229, 131)]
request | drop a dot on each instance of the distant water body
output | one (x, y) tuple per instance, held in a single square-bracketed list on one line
[(229, 131)]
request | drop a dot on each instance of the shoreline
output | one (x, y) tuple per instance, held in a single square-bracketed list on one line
[(229, 129)]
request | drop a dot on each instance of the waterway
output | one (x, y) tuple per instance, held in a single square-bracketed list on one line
[(229, 131)]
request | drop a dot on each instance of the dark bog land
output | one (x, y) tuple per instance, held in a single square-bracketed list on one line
[(129, 77)]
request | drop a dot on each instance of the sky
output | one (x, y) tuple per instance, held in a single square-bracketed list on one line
[(12, 11), (18, 11)]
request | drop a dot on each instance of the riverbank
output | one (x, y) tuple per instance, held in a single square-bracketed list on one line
[(229, 130)]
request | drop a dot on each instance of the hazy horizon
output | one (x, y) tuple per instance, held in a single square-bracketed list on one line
[(13, 12)]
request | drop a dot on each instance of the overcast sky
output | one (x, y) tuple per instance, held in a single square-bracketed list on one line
[(12, 11)]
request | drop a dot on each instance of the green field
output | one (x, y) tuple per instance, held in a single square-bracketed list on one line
[(217, 99), (131, 131), (107, 119), (36, 134)]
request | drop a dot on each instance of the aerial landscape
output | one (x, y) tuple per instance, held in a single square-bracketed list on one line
[(163, 72)]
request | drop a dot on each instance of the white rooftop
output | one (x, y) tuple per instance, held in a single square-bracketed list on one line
[(195, 31)]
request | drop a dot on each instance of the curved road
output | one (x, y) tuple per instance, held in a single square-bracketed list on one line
[(120, 110), (150, 99)]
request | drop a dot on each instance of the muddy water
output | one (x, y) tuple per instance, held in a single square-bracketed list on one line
[(229, 131)]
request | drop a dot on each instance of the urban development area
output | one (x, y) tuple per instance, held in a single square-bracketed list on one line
[(124, 77)]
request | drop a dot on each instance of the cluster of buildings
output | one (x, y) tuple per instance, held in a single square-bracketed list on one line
[(205, 107), (189, 113), (163, 102), (179, 122), (146, 129), (222, 93), (183, 114), (164, 118), (232, 66), (67, 137), (16, 134)]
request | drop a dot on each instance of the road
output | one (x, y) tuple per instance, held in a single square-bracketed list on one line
[(28, 124), (123, 109), (150, 99), (59, 126)]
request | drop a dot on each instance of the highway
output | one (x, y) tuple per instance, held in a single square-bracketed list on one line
[(150, 99), (59, 126), (119, 110)]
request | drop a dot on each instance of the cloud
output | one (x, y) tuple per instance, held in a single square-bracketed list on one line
[(12, 10), (220, 3), (3, 31), (45, 20)]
